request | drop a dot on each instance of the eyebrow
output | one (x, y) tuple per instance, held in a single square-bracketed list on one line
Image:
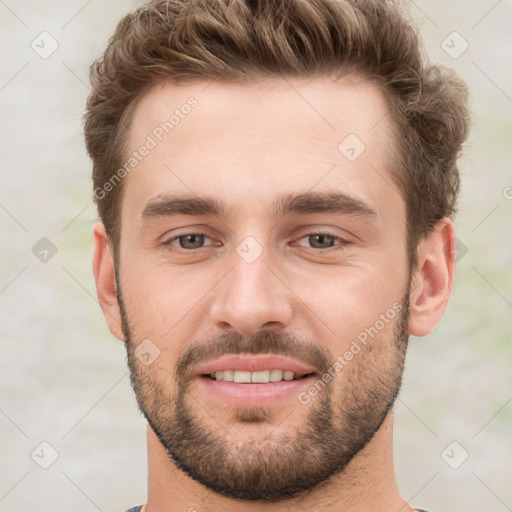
[(309, 202)]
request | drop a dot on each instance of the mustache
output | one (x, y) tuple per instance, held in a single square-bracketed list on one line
[(262, 342)]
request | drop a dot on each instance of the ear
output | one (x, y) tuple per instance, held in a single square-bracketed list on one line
[(432, 278), (104, 276)]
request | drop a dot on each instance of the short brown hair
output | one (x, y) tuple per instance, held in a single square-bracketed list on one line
[(180, 41)]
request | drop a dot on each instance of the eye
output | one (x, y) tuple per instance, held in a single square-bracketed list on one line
[(320, 241), (323, 241), (188, 241)]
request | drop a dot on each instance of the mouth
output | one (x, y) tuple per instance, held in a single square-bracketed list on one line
[(254, 379), (244, 367), (259, 377)]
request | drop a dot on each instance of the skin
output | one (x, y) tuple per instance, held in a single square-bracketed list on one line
[(245, 145)]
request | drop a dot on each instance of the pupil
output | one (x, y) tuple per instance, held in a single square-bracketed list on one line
[(321, 239), (195, 241)]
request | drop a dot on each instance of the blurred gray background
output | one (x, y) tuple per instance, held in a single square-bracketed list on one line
[(63, 377)]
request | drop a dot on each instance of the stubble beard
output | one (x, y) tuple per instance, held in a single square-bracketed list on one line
[(282, 464)]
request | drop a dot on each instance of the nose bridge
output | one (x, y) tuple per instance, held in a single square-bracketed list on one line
[(251, 296)]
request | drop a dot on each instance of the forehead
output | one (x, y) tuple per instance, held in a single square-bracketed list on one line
[(283, 134)]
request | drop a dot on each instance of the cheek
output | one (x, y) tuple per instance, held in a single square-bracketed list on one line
[(159, 293), (354, 298), (164, 305)]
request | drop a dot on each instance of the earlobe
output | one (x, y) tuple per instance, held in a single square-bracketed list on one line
[(433, 278), (104, 276)]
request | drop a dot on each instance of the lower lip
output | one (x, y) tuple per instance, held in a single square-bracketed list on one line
[(253, 395)]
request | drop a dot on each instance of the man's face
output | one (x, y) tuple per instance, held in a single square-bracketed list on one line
[(302, 274)]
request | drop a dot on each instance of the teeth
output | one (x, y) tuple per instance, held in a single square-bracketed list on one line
[(241, 376), (261, 377), (226, 375), (276, 375)]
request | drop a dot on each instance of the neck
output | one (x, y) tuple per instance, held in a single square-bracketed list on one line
[(367, 484)]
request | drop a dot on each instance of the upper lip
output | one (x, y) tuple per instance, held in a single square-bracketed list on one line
[(253, 363)]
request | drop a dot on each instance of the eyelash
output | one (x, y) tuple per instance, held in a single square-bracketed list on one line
[(342, 242)]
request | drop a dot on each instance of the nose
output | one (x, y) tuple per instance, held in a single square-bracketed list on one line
[(251, 297)]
